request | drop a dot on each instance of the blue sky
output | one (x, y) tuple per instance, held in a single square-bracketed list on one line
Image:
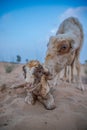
[(26, 25)]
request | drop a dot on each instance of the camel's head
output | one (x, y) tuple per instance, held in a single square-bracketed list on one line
[(33, 71), (59, 53)]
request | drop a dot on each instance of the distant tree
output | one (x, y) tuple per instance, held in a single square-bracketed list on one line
[(26, 60), (86, 67), (85, 61), (18, 58)]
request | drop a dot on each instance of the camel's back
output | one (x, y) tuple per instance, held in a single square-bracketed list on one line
[(73, 26)]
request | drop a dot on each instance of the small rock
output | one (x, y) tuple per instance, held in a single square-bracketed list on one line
[(2, 87), (45, 122)]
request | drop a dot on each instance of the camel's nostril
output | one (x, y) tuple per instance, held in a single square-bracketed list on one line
[(30, 85)]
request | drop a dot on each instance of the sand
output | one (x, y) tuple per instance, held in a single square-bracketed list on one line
[(15, 114)]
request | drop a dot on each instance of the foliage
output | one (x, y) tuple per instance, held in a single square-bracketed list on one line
[(85, 61), (26, 60), (9, 68), (18, 58), (85, 67), (86, 71)]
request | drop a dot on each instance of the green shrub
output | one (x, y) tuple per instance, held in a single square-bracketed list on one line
[(86, 71), (9, 68)]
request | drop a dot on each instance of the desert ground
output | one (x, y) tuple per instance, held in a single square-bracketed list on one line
[(70, 112)]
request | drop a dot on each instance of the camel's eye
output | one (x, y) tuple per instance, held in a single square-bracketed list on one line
[(64, 47)]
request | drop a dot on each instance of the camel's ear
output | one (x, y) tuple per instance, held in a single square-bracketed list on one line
[(63, 47), (52, 39)]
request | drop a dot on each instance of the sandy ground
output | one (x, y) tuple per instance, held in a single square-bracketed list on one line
[(15, 114)]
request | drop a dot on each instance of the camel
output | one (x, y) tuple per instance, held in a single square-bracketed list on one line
[(36, 77), (64, 49)]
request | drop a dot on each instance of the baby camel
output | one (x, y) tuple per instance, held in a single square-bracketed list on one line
[(36, 77)]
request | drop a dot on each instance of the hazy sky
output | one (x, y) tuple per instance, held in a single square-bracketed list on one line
[(26, 25)]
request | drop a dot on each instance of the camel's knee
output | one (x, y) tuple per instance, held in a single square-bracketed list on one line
[(48, 101), (30, 98)]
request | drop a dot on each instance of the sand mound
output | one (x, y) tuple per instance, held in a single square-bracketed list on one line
[(15, 114)]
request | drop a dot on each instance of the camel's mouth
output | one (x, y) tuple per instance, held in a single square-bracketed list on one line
[(29, 86)]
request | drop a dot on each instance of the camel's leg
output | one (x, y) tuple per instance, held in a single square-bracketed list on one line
[(72, 70), (30, 98), (66, 74), (48, 101), (79, 81)]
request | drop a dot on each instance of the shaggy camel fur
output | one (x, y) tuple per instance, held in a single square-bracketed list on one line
[(64, 49), (36, 77)]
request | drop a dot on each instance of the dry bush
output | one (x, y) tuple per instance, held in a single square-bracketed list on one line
[(9, 67)]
